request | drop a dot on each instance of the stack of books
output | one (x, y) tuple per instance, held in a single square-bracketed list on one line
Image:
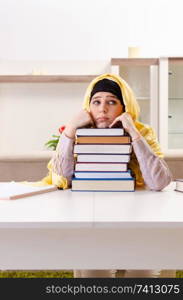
[(102, 160)]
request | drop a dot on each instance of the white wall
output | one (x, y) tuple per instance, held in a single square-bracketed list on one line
[(89, 29), (71, 37), (31, 112)]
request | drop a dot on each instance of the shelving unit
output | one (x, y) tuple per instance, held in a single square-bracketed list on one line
[(142, 76)]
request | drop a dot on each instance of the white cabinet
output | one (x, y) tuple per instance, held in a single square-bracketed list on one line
[(158, 86), (171, 102), (142, 76), (175, 104)]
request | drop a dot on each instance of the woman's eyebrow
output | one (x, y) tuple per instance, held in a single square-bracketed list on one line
[(111, 96), (97, 97), (108, 96)]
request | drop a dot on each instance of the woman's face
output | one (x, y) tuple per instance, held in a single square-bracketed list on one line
[(104, 108)]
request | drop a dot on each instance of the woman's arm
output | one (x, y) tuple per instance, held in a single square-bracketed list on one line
[(154, 169), (63, 159)]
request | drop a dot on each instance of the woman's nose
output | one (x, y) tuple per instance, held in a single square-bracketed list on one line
[(103, 107)]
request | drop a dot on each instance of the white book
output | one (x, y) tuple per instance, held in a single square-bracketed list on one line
[(100, 166), (99, 132), (179, 185), (101, 148), (103, 158), (103, 185), (15, 190), (102, 174)]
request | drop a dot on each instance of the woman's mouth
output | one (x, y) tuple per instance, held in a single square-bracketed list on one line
[(102, 119)]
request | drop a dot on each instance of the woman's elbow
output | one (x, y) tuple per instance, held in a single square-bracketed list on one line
[(159, 185)]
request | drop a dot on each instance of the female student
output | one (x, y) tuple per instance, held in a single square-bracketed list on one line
[(110, 102)]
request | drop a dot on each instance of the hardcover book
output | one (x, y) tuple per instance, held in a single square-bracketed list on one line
[(103, 139), (104, 185), (100, 132), (179, 185), (90, 174), (102, 148), (123, 158), (88, 166)]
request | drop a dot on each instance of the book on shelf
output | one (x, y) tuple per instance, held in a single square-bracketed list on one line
[(91, 174), (123, 158), (100, 132), (179, 185), (100, 166), (15, 190), (102, 148), (103, 139), (104, 185)]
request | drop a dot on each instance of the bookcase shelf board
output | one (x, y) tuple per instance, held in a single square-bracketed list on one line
[(45, 78), (134, 61)]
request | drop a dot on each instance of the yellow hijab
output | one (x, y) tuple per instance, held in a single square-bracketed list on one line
[(132, 107)]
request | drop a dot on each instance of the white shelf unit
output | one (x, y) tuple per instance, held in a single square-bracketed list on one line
[(142, 75), (171, 103)]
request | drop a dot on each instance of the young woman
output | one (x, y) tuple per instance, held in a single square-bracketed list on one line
[(110, 102)]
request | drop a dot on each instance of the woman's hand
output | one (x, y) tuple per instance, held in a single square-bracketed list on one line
[(81, 119), (128, 125)]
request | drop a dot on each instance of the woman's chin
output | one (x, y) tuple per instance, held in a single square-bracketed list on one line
[(103, 125)]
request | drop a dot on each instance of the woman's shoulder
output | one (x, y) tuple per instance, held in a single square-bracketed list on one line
[(150, 136), (145, 130)]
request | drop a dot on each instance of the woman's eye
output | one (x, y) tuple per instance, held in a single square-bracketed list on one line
[(112, 102), (96, 102)]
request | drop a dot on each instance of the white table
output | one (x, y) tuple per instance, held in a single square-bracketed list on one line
[(93, 230)]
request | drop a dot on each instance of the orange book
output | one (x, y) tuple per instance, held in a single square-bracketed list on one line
[(103, 139)]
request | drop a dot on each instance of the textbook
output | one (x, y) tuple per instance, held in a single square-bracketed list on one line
[(179, 185), (90, 174), (103, 139), (100, 132), (102, 148), (104, 185), (15, 190), (125, 158), (100, 166)]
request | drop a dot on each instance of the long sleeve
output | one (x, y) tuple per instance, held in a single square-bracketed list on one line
[(154, 169), (63, 159)]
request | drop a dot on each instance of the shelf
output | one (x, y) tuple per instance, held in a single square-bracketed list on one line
[(172, 99), (134, 61), (176, 60), (46, 78), (28, 156), (175, 132)]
